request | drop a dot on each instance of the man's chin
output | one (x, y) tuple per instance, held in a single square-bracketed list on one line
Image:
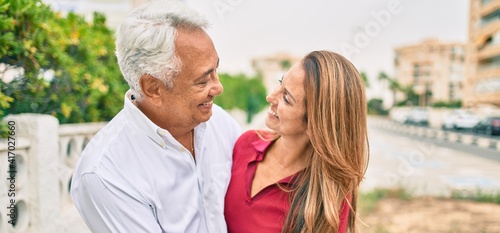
[(205, 116)]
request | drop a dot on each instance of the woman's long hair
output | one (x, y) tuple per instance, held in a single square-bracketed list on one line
[(337, 127)]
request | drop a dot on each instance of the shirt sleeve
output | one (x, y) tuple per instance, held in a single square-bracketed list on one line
[(106, 208)]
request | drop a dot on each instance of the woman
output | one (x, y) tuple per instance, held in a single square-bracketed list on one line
[(303, 176)]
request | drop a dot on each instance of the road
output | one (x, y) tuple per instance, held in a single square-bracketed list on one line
[(428, 167)]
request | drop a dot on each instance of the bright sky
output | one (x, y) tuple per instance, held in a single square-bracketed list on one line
[(243, 29), (366, 32)]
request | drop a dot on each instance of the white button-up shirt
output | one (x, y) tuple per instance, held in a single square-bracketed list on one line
[(135, 177)]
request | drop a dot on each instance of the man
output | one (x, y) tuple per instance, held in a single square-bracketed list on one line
[(163, 163)]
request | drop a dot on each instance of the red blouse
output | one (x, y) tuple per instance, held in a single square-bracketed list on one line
[(266, 211)]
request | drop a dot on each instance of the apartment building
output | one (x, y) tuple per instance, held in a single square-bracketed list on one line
[(273, 67), (483, 54), (434, 69)]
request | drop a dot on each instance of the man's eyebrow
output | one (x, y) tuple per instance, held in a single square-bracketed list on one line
[(207, 72)]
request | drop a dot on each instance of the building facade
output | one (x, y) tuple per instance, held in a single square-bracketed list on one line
[(273, 67), (435, 70), (483, 54)]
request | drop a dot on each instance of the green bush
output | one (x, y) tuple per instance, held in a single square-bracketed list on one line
[(242, 92), (86, 84), (477, 196), (375, 107), (368, 200), (451, 104)]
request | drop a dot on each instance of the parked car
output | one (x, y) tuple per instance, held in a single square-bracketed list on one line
[(460, 119), (417, 116), (399, 115), (488, 125)]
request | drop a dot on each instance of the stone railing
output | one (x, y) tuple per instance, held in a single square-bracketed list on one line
[(18, 187), (433, 133), (45, 155)]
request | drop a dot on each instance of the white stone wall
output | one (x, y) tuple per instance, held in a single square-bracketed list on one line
[(46, 154)]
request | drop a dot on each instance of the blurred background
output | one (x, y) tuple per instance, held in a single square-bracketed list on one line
[(431, 71)]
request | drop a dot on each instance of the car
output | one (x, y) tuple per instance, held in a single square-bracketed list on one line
[(460, 119), (417, 116), (399, 115), (488, 125)]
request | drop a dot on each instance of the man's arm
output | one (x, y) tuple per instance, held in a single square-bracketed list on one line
[(106, 208)]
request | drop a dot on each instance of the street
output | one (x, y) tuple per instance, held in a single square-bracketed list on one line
[(426, 166)]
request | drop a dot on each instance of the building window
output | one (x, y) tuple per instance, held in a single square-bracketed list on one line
[(494, 16), (484, 2), (452, 91)]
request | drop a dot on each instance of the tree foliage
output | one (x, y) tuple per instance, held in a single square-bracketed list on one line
[(375, 107), (68, 66), (242, 92), (364, 76), (285, 64), (450, 104)]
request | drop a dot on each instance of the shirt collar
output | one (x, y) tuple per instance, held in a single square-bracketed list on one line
[(261, 146), (142, 122)]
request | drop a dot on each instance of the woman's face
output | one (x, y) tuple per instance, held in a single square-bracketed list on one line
[(286, 113)]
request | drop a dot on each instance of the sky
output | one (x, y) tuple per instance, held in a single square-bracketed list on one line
[(366, 32)]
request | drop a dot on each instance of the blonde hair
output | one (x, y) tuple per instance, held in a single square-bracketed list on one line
[(336, 122)]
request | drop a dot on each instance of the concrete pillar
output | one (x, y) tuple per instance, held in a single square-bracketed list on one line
[(41, 194)]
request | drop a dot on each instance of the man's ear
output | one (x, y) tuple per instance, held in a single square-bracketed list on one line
[(150, 87)]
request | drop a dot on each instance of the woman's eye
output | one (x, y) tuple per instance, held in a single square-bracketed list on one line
[(285, 99)]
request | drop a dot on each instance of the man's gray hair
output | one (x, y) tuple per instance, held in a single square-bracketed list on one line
[(145, 41)]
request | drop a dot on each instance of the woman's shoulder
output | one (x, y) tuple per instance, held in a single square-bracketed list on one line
[(256, 135), (253, 140), (247, 137)]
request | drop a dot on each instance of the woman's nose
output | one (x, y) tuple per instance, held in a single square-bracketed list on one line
[(271, 97)]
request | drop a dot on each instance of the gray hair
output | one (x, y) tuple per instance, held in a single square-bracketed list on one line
[(145, 41)]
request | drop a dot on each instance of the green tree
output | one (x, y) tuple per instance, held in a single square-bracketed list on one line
[(411, 98), (375, 107), (365, 79), (394, 85), (285, 64), (242, 92), (85, 82)]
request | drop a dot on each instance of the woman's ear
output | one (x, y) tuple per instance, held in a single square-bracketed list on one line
[(150, 87)]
